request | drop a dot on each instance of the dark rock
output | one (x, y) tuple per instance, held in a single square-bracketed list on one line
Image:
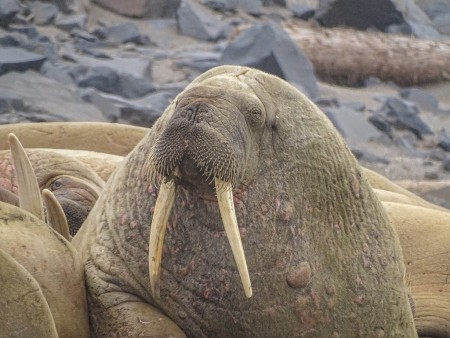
[(29, 30), (141, 8), (401, 114), (83, 35), (17, 59), (199, 22), (8, 11), (301, 10), (269, 48), (381, 122), (431, 175), (420, 97), (437, 154), (43, 13), (444, 140), (44, 99), (282, 3), (222, 5), (13, 39), (67, 23), (124, 33), (367, 156), (365, 14), (325, 101), (446, 164), (352, 125), (95, 53), (109, 81)]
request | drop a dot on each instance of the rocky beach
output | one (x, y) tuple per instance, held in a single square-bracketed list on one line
[(110, 62)]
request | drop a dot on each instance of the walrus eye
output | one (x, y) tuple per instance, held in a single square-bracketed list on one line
[(254, 115), (56, 184)]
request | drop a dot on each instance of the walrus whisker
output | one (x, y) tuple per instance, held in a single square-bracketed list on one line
[(29, 194)]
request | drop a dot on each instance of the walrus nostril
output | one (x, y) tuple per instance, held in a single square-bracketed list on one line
[(194, 114)]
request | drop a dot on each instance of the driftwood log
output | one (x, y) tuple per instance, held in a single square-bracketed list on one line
[(350, 56)]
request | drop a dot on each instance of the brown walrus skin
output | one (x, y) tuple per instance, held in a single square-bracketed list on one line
[(75, 186), (322, 257)]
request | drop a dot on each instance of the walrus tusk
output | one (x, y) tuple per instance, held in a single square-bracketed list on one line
[(161, 215), (163, 208), (29, 194), (225, 198), (56, 218)]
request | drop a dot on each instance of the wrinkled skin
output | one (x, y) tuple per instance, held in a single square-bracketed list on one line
[(322, 256), (75, 186), (42, 280)]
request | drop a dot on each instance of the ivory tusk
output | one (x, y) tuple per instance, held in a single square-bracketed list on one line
[(56, 218), (225, 198), (29, 194), (161, 215)]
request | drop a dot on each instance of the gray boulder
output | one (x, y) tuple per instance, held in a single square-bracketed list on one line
[(18, 59), (400, 114), (352, 125), (43, 13), (8, 11), (141, 8), (222, 5), (444, 140), (269, 48), (69, 22), (199, 22), (442, 23), (35, 98), (142, 112), (253, 7), (421, 98), (124, 33), (109, 81)]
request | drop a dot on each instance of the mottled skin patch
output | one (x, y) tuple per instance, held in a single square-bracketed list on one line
[(297, 199)]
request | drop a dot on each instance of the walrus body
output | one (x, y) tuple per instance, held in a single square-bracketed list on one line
[(42, 292), (323, 259)]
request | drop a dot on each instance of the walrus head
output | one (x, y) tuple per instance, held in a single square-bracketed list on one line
[(209, 145)]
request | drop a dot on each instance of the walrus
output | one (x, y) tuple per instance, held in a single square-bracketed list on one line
[(75, 186), (110, 138), (242, 149)]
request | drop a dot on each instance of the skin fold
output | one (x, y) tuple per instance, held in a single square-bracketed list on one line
[(322, 257)]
